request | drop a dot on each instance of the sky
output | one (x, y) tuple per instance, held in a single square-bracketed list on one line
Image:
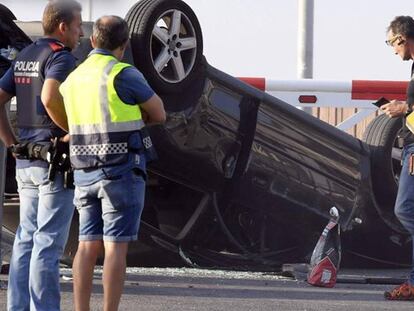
[(258, 38)]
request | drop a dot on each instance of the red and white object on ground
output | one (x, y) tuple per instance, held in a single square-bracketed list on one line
[(340, 94), (326, 256)]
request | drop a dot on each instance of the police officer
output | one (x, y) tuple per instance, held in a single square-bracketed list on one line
[(46, 207), (105, 101)]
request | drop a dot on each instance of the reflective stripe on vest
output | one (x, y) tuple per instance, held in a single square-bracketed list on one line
[(101, 149), (99, 122)]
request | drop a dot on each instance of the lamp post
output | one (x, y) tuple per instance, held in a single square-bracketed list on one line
[(89, 11), (305, 41)]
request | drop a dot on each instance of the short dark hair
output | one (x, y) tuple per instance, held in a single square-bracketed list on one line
[(402, 25), (110, 32), (59, 11)]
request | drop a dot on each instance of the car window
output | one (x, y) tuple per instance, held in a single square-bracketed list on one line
[(226, 101)]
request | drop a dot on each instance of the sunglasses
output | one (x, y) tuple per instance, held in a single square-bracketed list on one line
[(390, 42)]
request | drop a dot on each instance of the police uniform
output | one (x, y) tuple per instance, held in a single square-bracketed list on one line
[(45, 59), (46, 207), (106, 145)]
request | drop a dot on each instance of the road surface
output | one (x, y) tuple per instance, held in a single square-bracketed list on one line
[(196, 289)]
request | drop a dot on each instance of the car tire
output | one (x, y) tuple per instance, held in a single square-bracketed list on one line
[(168, 54), (381, 135)]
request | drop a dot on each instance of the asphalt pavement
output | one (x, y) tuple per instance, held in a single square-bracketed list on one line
[(181, 289)]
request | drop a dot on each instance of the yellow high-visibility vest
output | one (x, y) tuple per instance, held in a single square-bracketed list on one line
[(99, 121)]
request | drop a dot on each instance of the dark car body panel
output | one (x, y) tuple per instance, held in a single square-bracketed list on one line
[(290, 153)]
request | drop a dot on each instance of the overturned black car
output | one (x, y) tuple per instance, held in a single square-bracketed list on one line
[(243, 180)]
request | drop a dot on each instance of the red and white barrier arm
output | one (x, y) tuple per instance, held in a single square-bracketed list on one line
[(340, 94)]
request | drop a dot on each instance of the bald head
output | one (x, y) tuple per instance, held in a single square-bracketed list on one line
[(110, 32)]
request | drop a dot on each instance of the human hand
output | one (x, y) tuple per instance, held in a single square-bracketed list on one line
[(64, 139), (395, 108)]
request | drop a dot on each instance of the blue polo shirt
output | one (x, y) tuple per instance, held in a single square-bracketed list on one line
[(132, 89), (57, 67)]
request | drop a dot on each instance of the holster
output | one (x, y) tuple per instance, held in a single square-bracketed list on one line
[(59, 162)]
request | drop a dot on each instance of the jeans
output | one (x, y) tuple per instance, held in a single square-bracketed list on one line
[(404, 205), (46, 211)]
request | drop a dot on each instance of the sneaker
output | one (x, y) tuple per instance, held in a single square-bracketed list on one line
[(404, 291)]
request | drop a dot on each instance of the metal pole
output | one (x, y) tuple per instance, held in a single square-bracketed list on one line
[(305, 41), (88, 10)]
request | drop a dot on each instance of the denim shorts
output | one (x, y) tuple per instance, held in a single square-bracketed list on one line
[(110, 209)]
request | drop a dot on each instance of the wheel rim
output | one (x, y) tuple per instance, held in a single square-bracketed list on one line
[(173, 46)]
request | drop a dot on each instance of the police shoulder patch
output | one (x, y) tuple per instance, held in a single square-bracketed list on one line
[(56, 46)]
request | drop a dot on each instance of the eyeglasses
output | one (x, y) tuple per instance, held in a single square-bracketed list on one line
[(390, 42)]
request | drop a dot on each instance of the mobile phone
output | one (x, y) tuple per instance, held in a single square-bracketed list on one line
[(380, 102)]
